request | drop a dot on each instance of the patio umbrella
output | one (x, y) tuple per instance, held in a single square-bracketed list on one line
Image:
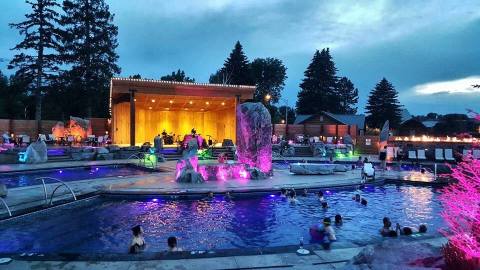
[(385, 132)]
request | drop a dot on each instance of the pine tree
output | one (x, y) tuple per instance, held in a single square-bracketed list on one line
[(348, 96), (37, 62), (89, 41), (383, 105), (269, 76), (318, 88), (178, 76), (13, 97), (235, 70)]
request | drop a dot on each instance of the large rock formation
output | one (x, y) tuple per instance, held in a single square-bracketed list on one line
[(36, 152), (187, 166), (254, 131)]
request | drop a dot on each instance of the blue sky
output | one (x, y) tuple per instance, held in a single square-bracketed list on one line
[(428, 49)]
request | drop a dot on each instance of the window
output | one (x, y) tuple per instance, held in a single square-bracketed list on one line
[(368, 141)]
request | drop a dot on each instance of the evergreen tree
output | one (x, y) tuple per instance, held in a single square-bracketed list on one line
[(89, 42), (178, 76), (383, 105), (37, 61), (235, 70), (291, 114), (318, 88), (269, 76), (348, 96), (136, 76)]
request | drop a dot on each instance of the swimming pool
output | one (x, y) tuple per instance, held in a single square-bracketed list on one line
[(102, 225), (27, 178)]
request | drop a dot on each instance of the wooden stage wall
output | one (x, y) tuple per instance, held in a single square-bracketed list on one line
[(219, 124)]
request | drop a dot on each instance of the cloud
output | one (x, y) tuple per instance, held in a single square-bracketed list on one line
[(459, 86)]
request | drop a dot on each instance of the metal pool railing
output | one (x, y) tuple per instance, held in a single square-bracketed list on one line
[(143, 161), (6, 206), (56, 188)]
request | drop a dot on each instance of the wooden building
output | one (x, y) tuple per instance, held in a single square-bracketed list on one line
[(326, 125), (142, 108)]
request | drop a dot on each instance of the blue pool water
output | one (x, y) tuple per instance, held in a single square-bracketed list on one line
[(102, 225), (27, 178)]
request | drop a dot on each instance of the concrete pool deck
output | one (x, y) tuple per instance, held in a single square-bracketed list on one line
[(319, 259), (22, 198)]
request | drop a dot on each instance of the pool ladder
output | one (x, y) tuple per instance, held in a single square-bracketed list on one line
[(142, 160), (6, 206), (54, 190)]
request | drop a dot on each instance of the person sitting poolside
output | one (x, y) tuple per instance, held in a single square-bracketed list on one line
[(172, 244), (359, 162), (338, 220), (320, 196), (138, 242)]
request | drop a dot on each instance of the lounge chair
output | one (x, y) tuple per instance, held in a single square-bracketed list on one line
[(439, 154), (368, 171), (449, 155), (476, 154), (421, 154), (42, 137), (412, 155)]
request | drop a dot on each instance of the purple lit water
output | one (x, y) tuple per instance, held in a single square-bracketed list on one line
[(27, 178), (103, 225)]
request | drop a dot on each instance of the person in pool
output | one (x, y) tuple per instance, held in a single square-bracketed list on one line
[(356, 197), (422, 228), (305, 192), (320, 196), (172, 244), (326, 233), (387, 224), (283, 193), (228, 196), (138, 242), (292, 196), (364, 202), (324, 205), (338, 220)]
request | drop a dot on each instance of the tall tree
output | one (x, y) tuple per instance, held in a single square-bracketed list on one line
[(90, 40), (14, 101), (269, 76), (178, 76), (318, 88), (38, 58), (383, 105), (348, 96), (235, 70)]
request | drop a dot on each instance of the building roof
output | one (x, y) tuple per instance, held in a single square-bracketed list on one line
[(405, 115), (120, 86), (301, 118), (346, 119)]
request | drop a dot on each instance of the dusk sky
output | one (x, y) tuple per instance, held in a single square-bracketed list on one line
[(429, 50)]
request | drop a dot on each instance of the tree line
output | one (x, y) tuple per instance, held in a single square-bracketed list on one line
[(64, 61)]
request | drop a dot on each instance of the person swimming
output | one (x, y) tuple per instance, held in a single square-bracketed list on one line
[(305, 192), (324, 233), (283, 193), (172, 244), (228, 196), (356, 197), (422, 228), (138, 242)]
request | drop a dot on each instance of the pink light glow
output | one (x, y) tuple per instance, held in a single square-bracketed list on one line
[(461, 203), (222, 173)]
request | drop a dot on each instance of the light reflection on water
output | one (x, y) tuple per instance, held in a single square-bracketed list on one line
[(104, 225)]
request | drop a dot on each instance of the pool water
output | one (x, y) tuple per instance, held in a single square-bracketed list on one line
[(102, 225), (28, 178)]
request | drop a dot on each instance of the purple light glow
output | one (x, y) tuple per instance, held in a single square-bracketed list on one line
[(155, 200), (60, 171), (272, 196)]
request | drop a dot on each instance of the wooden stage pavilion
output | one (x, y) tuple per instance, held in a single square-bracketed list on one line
[(142, 108)]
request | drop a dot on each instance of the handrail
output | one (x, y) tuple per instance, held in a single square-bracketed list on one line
[(53, 193), (142, 160), (135, 156), (6, 206)]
